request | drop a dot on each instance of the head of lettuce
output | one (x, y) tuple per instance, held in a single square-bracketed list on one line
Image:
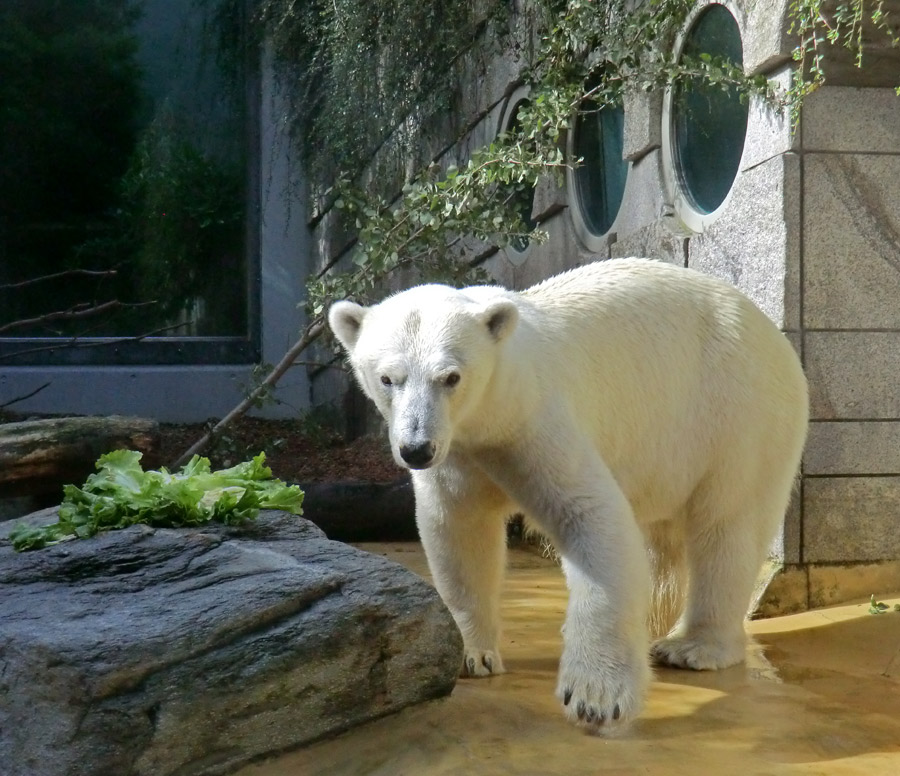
[(120, 493)]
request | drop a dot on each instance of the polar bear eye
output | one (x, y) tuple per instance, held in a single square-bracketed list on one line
[(385, 380), (452, 379)]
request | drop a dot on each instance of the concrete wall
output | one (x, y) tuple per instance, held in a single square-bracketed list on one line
[(811, 232)]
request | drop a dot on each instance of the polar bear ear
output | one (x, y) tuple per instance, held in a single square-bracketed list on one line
[(346, 319), (501, 317)]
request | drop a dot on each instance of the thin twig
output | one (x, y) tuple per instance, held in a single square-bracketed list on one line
[(321, 365), (58, 275), (26, 396), (75, 313), (76, 343), (311, 334)]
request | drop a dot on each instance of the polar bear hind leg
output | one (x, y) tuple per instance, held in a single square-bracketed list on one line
[(728, 534)]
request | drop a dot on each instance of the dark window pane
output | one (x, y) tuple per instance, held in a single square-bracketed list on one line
[(709, 123), (123, 175), (600, 179)]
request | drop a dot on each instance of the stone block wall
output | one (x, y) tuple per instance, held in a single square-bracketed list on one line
[(850, 301), (811, 232)]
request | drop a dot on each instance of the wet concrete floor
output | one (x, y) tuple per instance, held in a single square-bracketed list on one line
[(819, 694)]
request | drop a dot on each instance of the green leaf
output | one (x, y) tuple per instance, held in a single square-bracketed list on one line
[(877, 607)]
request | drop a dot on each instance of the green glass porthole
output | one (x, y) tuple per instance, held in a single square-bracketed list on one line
[(709, 123), (600, 178)]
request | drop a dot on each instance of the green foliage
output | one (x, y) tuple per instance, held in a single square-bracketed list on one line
[(135, 175), (361, 68), (423, 231), (592, 54), (69, 93), (120, 493), (820, 27), (439, 208), (228, 34), (880, 607)]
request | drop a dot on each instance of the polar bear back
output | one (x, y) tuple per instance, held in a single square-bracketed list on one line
[(666, 368)]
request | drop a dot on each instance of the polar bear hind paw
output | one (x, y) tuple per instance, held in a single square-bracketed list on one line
[(481, 662), (698, 654)]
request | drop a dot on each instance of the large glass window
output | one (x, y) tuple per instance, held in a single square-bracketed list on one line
[(599, 180), (709, 123), (125, 204)]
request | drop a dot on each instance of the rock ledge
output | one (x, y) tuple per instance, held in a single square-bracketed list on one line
[(161, 652)]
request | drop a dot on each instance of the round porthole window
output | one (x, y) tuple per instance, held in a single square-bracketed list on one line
[(707, 124), (522, 196), (598, 182)]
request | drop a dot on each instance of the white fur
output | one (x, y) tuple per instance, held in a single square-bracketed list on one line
[(624, 406)]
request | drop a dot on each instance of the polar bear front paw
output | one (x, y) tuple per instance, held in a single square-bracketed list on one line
[(481, 662), (604, 697), (700, 653)]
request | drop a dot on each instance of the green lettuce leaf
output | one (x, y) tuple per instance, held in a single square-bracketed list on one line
[(120, 493)]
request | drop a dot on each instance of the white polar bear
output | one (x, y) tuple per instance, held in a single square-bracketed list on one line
[(625, 406)]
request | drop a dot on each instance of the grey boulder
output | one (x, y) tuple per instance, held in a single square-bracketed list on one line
[(160, 652)]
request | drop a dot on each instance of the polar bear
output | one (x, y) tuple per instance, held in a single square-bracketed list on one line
[(641, 414)]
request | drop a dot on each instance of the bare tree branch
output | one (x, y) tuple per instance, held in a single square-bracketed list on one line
[(311, 334), (75, 342), (26, 396), (79, 311), (58, 275), (322, 365)]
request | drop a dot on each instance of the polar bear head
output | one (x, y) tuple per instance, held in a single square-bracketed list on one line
[(425, 357)]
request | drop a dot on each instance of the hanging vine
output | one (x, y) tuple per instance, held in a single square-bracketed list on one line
[(821, 28), (359, 69)]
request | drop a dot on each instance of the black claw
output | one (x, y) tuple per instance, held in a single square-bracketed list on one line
[(617, 712), (581, 709), (592, 715), (567, 696), (470, 665), (602, 718), (487, 663)]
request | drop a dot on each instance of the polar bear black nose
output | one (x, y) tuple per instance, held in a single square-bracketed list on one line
[(417, 456)]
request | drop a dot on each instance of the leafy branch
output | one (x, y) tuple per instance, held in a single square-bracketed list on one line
[(820, 26), (591, 55), (438, 206), (387, 60)]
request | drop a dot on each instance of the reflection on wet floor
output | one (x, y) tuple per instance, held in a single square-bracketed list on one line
[(820, 694)]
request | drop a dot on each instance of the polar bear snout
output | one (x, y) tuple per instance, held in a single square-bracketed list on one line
[(419, 455)]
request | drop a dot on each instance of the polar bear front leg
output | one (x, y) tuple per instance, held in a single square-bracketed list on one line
[(604, 669), (461, 517)]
